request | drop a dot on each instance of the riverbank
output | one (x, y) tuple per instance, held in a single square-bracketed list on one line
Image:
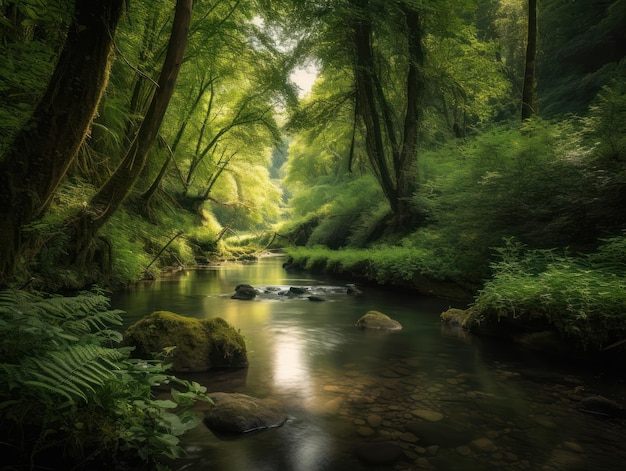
[(394, 268)]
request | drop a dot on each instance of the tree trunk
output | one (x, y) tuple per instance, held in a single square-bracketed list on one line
[(406, 173), (43, 150), (116, 189), (390, 144), (529, 106), (366, 103)]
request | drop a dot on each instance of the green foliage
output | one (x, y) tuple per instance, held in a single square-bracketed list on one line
[(385, 265), (583, 297), (30, 32), (350, 209), (580, 53), (68, 394), (604, 126)]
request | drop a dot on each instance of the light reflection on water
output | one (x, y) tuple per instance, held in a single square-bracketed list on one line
[(330, 377)]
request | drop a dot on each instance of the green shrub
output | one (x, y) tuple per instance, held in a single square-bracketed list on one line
[(67, 393), (583, 297), (385, 265)]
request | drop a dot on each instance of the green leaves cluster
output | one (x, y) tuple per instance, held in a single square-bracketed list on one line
[(69, 393)]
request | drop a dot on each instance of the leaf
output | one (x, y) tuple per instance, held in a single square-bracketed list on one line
[(165, 404)]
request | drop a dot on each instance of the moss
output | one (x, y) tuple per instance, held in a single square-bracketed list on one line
[(200, 344), (454, 317), (378, 320)]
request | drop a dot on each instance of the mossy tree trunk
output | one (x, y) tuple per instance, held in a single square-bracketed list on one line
[(43, 150), (117, 188)]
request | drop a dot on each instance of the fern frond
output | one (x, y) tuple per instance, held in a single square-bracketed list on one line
[(75, 373), (50, 388)]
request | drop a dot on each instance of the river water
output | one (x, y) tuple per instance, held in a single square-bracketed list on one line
[(426, 397)]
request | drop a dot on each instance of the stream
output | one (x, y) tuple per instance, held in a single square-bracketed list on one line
[(428, 397)]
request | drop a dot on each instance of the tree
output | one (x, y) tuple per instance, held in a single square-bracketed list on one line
[(41, 153), (115, 190), (223, 118), (529, 102), (390, 144)]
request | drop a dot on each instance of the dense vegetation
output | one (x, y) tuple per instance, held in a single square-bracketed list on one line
[(445, 143)]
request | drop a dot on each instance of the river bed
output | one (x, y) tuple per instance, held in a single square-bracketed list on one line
[(426, 397)]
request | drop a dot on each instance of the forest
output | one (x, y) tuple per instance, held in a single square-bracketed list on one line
[(466, 148)]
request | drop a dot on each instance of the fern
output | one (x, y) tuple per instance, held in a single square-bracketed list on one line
[(65, 384), (75, 373), (37, 323)]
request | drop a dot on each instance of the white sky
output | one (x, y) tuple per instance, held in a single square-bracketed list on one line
[(304, 77)]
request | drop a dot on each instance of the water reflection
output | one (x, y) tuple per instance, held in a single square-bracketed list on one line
[(290, 363)]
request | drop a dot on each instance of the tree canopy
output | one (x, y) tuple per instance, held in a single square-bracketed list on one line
[(406, 92)]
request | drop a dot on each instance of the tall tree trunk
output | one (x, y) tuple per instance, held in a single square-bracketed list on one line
[(116, 189), (529, 105), (390, 144), (406, 173), (367, 105), (43, 150)]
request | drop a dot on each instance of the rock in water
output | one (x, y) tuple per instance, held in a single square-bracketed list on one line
[(439, 433), (240, 413), (599, 405), (244, 292), (378, 453), (378, 320), (200, 344)]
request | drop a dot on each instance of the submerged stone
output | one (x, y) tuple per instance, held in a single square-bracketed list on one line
[(240, 413), (439, 433)]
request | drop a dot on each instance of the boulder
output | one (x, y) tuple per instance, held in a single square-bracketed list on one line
[(378, 320), (599, 405), (240, 413), (296, 291), (454, 317), (200, 344), (244, 291), (352, 290)]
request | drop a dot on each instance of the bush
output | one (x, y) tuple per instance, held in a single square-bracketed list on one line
[(385, 265), (583, 297)]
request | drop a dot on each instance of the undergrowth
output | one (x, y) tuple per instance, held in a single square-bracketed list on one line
[(69, 394), (384, 265), (583, 297)]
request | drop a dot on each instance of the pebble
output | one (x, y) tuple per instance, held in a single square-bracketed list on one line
[(429, 415), (464, 450), (374, 420), (574, 446), (482, 444)]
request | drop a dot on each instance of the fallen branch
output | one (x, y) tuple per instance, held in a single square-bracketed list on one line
[(163, 249)]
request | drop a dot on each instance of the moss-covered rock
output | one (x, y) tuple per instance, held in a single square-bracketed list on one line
[(454, 317), (201, 344), (378, 320)]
